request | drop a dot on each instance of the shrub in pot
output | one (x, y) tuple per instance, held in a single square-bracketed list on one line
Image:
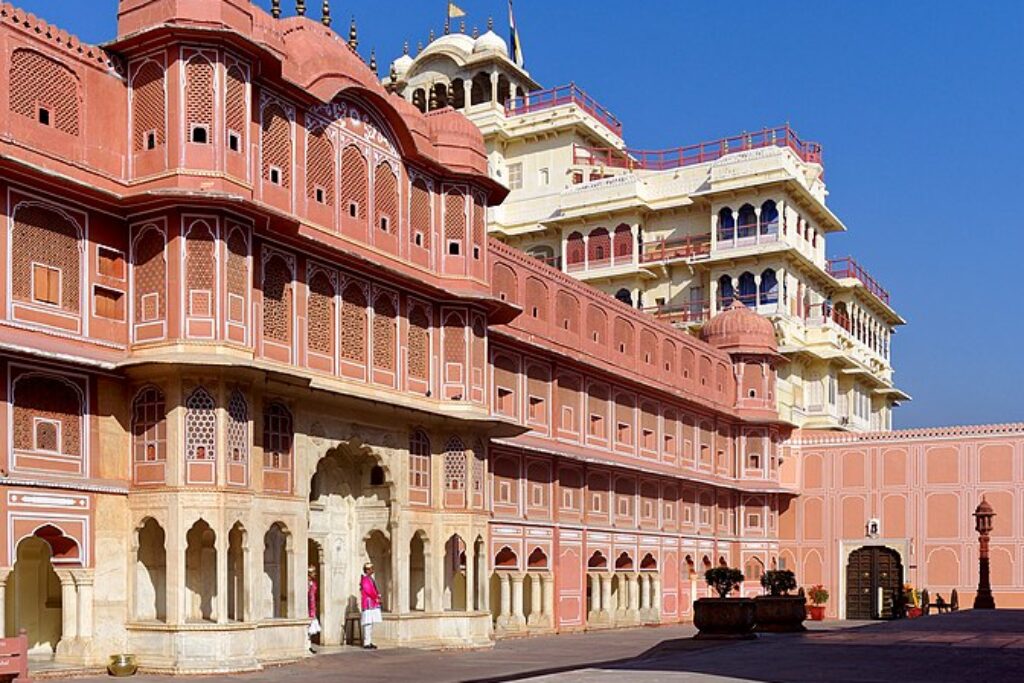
[(778, 611), (819, 596), (724, 617)]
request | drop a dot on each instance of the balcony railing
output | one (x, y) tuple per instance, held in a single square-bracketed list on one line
[(540, 100), (659, 160), (845, 267), (689, 247), (692, 312), (745, 235)]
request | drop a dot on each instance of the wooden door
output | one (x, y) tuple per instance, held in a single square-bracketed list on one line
[(868, 570)]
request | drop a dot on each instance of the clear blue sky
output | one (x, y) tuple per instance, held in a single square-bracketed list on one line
[(918, 104)]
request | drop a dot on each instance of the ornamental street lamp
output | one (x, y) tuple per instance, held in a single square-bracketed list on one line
[(983, 524)]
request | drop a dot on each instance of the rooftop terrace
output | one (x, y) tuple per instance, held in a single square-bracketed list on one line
[(539, 100)]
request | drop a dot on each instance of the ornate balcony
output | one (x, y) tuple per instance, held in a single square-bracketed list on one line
[(846, 267), (539, 100)]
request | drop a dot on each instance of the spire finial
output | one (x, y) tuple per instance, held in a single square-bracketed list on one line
[(300, 7), (476, 32), (325, 13), (275, 8), (419, 47), (393, 74), (373, 61), (432, 103), (462, 26), (405, 48), (447, 26), (431, 37), (490, 23), (353, 34)]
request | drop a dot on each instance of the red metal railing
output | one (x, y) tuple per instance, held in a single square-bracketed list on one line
[(823, 313), (691, 246), (846, 267), (692, 312), (539, 100), (659, 160)]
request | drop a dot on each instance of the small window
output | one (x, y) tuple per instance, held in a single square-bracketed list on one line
[(109, 303), (377, 476), (623, 433), (476, 253), (200, 135), (275, 175), (752, 393), (46, 284), (544, 177), (534, 311), (515, 176), (47, 435), (754, 461), (670, 443), (321, 197), (418, 239), (151, 139), (110, 263), (353, 209), (385, 224), (596, 425), (622, 348), (454, 248), (44, 116), (536, 408), (504, 400), (234, 141), (648, 439), (754, 521)]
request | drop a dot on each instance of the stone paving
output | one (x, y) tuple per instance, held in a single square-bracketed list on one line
[(974, 646)]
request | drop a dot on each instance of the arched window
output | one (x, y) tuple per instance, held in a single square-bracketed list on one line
[(46, 257), (199, 97), (235, 109), (440, 96), (44, 90), (624, 296), (320, 319), (623, 241), (200, 426), (725, 292), (455, 465), (354, 181), (480, 91), (384, 336), (458, 94), (419, 99), (353, 323), (575, 251), (238, 439), (277, 146), (748, 289), (419, 460), (769, 218), (148, 106), (277, 437), (385, 199), (277, 299), (419, 344), (149, 426), (746, 222), (504, 89), (420, 223), (599, 246), (320, 167), (769, 287), (726, 224)]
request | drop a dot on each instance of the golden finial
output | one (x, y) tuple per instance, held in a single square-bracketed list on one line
[(353, 34), (373, 61), (300, 7), (490, 23), (275, 9), (447, 26), (431, 37), (325, 13), (476, 32), (462, 26), (405, 48), (432, 105), (419, 47)]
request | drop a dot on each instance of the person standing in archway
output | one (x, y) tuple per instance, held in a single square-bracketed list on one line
[(369, 598), (312, 592)]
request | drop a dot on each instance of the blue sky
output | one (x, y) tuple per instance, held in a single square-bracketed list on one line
[(918, 105)]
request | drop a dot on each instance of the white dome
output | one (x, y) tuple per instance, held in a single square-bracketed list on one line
[(490, 42), (402, 64), (457, 41)]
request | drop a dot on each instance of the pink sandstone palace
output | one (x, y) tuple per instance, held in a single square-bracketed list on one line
[(252, 319)]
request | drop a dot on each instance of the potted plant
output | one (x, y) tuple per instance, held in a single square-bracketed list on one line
[(911, 601), (778, 611), (724, 617), (819, 596)]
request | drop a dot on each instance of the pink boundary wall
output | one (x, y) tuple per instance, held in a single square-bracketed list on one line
[(922, 486)]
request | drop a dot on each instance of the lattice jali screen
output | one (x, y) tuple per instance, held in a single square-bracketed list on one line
[(385, 198), (150, 273), (454, 339), (277, 143), (479, 219), (479, 454), (354, 179), (479, 337), (320, 166), (149, 426), (40, 402), (237, 274), (455, 465), (320, 319), (148, 105), (37, 80), (277, 300), (384, 332), (235, 105), (353, 323), (47, 237), (419, 344), (199, 93), (455, 216), (238, 428), (419, 220), (200, 269), (200, 426)]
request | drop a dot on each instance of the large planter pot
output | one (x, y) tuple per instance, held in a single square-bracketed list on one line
[(780, 614), (817, 612), (724, 618), (122, 665), (913, 612)]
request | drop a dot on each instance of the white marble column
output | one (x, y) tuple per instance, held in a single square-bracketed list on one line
[(548, 581), (69, 606), (470, 581), (518, 619), (595, 593), (84, 584), (536, 600), (634, 596), (656, 597), (606, 594), (506, 599), (645, 592)]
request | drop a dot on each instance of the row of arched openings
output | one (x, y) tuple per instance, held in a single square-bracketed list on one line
[(748, 291), (748, 221)]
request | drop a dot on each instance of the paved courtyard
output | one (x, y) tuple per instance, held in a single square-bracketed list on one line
[(976, 646)]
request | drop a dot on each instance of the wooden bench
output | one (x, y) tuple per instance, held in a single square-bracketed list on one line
[(14, 658)]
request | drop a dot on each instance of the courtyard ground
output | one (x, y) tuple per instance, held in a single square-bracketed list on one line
[(975, 646)]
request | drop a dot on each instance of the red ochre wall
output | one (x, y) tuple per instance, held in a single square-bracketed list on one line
[(922, 486)]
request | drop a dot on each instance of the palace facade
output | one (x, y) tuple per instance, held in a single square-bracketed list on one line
[(251, 321)]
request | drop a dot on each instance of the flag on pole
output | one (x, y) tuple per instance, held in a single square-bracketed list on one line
[(455, 11), (517, 48)]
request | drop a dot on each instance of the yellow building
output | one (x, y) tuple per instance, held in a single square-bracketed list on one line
[(679, 232)]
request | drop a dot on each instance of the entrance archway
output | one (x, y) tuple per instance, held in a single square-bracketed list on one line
[(34, 599), (873, 576)]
